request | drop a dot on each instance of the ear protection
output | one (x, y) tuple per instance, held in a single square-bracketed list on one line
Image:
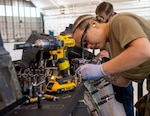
[(94, 25)]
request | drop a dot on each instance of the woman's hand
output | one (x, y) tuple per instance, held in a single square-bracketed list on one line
[(102, 54)]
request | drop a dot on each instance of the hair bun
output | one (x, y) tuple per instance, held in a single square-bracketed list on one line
[(100, 18)]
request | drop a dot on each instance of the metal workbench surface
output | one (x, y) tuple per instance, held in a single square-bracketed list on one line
[(64, 106)]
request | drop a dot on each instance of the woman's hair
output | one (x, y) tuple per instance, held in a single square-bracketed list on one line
[(82, 21), (104, 7)]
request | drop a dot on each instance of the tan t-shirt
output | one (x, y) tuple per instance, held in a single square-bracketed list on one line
[(124, 28)]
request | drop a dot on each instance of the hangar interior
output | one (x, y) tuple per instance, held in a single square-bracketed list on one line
[(19, 19)]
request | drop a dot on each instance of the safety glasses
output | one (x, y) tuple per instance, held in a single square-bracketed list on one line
[(84, 42)]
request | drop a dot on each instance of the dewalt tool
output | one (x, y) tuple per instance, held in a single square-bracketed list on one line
[(57, 47), (30, 100)]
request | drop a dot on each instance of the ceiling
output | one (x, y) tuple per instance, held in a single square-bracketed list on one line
[(73, 7)]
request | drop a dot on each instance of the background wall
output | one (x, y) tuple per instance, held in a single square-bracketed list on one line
[(18, 19), (57, 18)]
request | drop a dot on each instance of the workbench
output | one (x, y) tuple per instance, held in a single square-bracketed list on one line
[(66, 105)]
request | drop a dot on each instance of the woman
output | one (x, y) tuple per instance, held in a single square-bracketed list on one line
[(123, 94), (128, 37)]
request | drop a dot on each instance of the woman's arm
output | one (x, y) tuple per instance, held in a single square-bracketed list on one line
[(137, 53)]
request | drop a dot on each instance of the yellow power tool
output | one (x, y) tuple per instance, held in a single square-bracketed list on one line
[(57, 47)]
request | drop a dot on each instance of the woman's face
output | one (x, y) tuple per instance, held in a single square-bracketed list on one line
[(94, 46), (93, 36)]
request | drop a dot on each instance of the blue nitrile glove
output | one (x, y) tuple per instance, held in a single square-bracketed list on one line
[(91, 71)]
